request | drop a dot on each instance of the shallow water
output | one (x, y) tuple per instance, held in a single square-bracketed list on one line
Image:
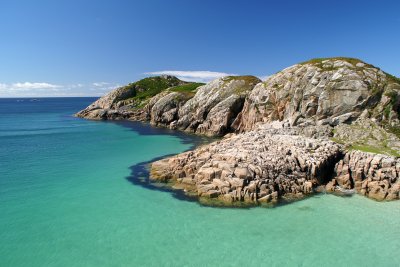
[(66, 200)]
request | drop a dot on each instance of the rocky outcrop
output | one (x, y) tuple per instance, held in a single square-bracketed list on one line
[(318, 92), (281, 130), (125, 102), (215, 106), (368, 135), (253, 167), (165, 110), (267, 165), (372, 175), (210, 110), (325, 91), (103, 108)]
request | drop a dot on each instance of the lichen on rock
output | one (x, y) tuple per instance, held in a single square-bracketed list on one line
[(327, 91)]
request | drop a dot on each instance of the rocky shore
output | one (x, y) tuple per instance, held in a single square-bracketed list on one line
[(372, 175), (210, 110), (256, 166), (295, 133)]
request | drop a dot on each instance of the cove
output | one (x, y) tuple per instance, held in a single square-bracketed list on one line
[(65, 200)]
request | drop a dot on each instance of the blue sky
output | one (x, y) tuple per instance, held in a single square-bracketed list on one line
[(86, 48)]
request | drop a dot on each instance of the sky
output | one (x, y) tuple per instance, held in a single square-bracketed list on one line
[(87, 48)]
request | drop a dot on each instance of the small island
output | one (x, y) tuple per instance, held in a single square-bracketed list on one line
[(328, 124)]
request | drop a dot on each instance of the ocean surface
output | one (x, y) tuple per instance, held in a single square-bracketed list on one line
[(73, 193)]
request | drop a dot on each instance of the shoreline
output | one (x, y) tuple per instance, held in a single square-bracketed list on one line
[(224, 173), (141, 174), (282, 137)]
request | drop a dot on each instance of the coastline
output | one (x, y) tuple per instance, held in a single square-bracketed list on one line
[(282, 138), (80, 198), (141, 173)]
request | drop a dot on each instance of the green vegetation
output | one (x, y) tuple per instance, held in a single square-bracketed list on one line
[(392, 105), (319, 64), (139, 92), (353, 61), (376, 92), (394, 130), (190, 87), (392, 78), (186, 91), (368, 148), (151, 86), (375, 140), (392, 95), (377, 150), (277, 86), (387, 110), (337, 140), (247, 78)]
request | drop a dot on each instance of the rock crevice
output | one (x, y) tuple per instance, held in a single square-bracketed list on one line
[(372, 175), (253, 167)]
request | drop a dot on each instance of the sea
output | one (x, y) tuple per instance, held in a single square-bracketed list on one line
[(75, 192)]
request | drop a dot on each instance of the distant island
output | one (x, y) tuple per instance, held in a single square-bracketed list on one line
[(328, 124)]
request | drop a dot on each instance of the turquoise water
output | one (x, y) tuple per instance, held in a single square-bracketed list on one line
[(66, 199)]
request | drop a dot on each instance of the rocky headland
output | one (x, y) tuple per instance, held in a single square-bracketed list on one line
[(322, 125)]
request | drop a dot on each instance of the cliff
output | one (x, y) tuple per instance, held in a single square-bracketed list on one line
[(127, 101), (323, 91), (167, 101), (290, 135)]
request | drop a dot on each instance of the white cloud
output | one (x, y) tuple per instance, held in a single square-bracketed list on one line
[(44, 89), (101, 88), (105, 88), (78, 85), (28, 88), (100, 84), (193, 76), (29, 85)]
